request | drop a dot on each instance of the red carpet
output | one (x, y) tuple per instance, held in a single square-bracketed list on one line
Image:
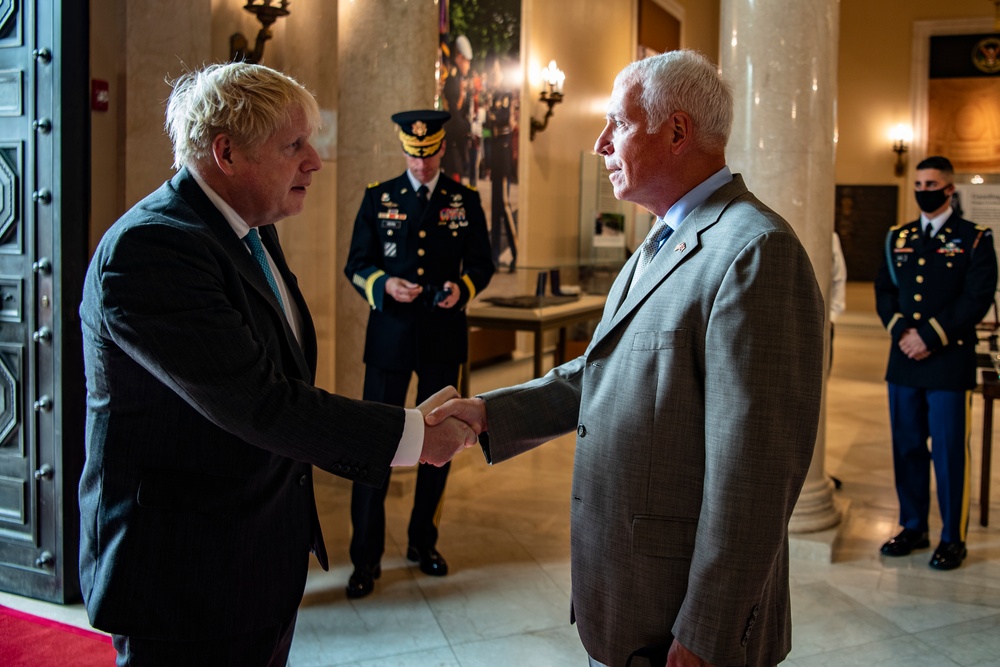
[(30, 641)]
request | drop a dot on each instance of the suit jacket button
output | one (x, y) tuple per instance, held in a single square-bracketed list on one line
[(743, 642), (581, 431), (362, 473), (303, 480)]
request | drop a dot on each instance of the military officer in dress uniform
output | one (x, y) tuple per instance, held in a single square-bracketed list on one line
[(420, 252), (937, 281)]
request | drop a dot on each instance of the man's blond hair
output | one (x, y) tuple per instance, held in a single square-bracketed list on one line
[(248, 102)]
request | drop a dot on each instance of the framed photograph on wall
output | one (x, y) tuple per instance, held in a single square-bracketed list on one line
[(479, 84)]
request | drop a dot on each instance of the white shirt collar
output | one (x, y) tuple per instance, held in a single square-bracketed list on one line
[(937, 222), (240, 227), (416, 184)]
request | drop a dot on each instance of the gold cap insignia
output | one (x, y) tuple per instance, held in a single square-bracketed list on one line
[(418, 129)]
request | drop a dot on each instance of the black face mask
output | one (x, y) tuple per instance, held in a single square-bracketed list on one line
[(931, 200)]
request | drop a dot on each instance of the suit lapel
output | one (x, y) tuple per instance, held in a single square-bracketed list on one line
[(681, 245), (219, 226), (305, 354), (185, 185)]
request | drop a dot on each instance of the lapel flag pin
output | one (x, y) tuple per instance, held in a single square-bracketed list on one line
[(681, 247)]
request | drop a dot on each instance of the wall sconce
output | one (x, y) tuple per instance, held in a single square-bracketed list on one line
[(552, 84), (901, 135), (266, 14)]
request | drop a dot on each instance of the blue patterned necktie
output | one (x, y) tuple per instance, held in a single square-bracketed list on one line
[(257, 250), (661, 230)]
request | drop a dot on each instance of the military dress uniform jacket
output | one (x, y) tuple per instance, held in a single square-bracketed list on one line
[(942, 287), (395, 236)]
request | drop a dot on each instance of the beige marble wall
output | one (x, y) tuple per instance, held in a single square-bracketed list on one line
[(160, 43), (386, 54), (137, 46), (105, 60), (781, 59)]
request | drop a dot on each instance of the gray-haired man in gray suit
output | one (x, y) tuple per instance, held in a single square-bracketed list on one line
[(696, 403)]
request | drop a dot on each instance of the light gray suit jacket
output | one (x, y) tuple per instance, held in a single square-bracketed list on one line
[(696, 407)]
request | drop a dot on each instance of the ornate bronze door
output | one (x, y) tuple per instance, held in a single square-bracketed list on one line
[(44, 202)]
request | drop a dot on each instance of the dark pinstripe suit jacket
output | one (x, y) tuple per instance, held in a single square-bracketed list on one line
[(196, 499)]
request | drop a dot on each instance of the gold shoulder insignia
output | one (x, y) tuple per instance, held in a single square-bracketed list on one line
[(372, 185), (895, 227), (982, 228), (472, 187)]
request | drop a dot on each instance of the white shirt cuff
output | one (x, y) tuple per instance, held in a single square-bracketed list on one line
[(412, 442)]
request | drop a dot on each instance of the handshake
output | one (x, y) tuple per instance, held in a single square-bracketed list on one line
[(451, 424)]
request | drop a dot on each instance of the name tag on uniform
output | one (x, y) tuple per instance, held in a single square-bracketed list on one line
[(392, 224)]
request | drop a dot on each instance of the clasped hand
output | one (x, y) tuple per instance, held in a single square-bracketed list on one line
[(913, 346), (404, 291), (451, 424)]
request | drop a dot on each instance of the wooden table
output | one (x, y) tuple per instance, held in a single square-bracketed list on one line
[(991, 390), (535, 320)]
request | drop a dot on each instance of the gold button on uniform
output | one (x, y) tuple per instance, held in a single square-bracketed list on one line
[(423, 233), (420, 272), (921, 261), (420, 251), (918, 297), (920, 279), (916, 316), (389, 233)]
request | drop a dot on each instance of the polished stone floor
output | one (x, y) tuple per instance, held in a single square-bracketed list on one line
[(504, 531)]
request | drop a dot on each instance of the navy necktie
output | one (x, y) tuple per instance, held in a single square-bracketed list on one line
[(257, 250), (422, 193)]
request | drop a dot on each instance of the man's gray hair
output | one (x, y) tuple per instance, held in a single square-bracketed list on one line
[(683, 81), (248, 102)]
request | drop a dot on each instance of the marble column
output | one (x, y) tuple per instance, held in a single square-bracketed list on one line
[(781, 58), (387, 51)]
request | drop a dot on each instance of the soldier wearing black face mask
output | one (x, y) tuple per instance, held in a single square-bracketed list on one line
[(937, 281)]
